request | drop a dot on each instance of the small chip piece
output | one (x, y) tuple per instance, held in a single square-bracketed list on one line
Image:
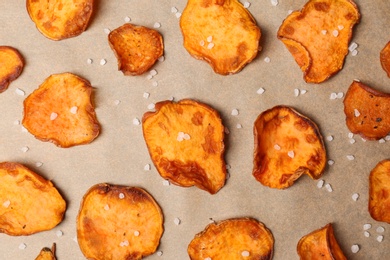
[(47, 253), (379, 190), (233, 239), (11, 66), (385, 58), (109, 234)]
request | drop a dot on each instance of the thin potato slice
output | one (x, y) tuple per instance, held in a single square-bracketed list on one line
[(11, 66), (320, 244), (136, 48), (29, 203), (367, 111), (379, 191), (60, 111), (221, 32), (240, 238), (318, 36), (47, 253), (118, 222), (60, 19), (186, 143), (287, 145), (385, 58)]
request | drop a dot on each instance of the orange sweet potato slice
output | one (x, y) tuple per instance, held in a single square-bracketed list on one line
[(220, 32), (29, 203), (385, 58), (186, 144), (318, 36), (136, 48), (320, 244), (239, 238), (47, 253), (367, 111), (61, 111), (379, 191), (287, 145), (118, 222), (11, 66), (60, 19)]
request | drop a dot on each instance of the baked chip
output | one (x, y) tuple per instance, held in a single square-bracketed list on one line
[(240, 238), (367, 111), (118, 222), (385, 58), (220, 32), (47, 253), (11, 66), (60, 19), (287, 145), (379, 190), (320, 244), (30, 203), (136, 48), (318, 36), (186, 144), (60, 111)]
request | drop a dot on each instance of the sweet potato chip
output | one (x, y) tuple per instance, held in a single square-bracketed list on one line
[(47, 253), (240, 238), (118, 222), (320, 244), (60, 19), (379, 190), (136, 48), (318, 36), (186, 143), (367, 111), (11, 66), (60, 111), (220, 32), (385, 58), (29, 203), (287, 145)]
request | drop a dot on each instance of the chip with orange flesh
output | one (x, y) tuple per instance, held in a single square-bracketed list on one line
[(220, 32), (29, 202), (287, 145), (238, 238), (60, 19), (367, 111), (320, 244), (118, 222), (379, 191), (137, 48), (11, 66), (185, 140), (385, 58), (61, 111), (318, 36), (47, 253)]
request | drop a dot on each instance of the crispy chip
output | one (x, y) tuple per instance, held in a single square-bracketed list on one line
[(60, 111), (60, 19), (11, 66), (118, 222), (367, 111), (379, 190), (47, 253), (287, 145), (318, 36), (29, 203), (221, 32), (385, 58), (240, 238), (186, 143), (136, 48), (320, 244)]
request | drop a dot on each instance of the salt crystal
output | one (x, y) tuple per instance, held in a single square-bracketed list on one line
[(59, 233), (355, 248), (340, 95), (106, 207), (136, 233), (387, 138), (382, 141), (324, 32), (177, 15), (277, 147), (151, 106), (147, 167), (127, 19), (161, 59), (73, 110), (22, 246), (117, 102), (366, 226), (352, 46), (329, 138), (207, 258), (124, 243), (354, 52), (245, 253), (350, 157), (103, 62), (328, 187), (157, 25), (106, 30), (303, 91), (226, 130), (267, 59), (38, 164), (296, 92), (136, 121), (53, 116), (340, 27), (238, 126), (335, 33), (121, 195), (6, 203), (177, 221), (146, 95), (380, 229), (16, 122), (320, 184), (201, 43), (235, 112), (247, 4), (274, 2), (174, 10), (367, 234), (89, 61), (153, 72), (291, 154), (25, 149), (19, 92), (379, 238), (209, 39), (333, 96), (166, 183), (210, 46), (356, 112), (352, 141), (159, 253), (260, 91), (355, 196), (350, 135), (330, 162)]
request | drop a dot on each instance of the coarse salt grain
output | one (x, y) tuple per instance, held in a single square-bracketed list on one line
[(350, 135), (103, 62), (380, 229), (121, 195), (38, 164), (201, 43), (245, 253), (25, 149), (22, 246), (366, 226), (333, 95), (328, 187), (89, 61), (296, 92), (355, 196), (174, 10), (352, 141), (238, 126), (340, 95), (166, 183), (260, 91), (366, 234), (226, 130), (320, 184), (106, 30), (354, 52), (178, 14), (335, 33), (356, 112), (117, 102), (124, 243), (74, 109), (153, 72), (136, 121), (106, 207), (53, 116), (352, 46), (267, 59), (6, 203), (329, 138), (381, 141), (159, 253), (379, 238), (59, 233), (127, 19), (277, 147), (17, 122), (340, 27), (234, 112), (177, 221), (247, 4), (157, 25), (136, 233), (355, 248), (146, 95), (209, 38), (207, 258), (324, 32), (151, 106), (303, 91), (161, 58), (330, 162), (387, 138), (19, 92), (291, 154), (210, 45), (147, 167), (274, 2), (350, 157)]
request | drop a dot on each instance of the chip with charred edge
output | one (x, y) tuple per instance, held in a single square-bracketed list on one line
[(11, 66), (238, 238), (136, 48), (379, 190), (318, 36), (320, 244), (385, 58), (118, 222), (287, 145), (47, 253), (61, 111), (220, 32), (60, 19), (29, 202), (186, 143), (367, 111)]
